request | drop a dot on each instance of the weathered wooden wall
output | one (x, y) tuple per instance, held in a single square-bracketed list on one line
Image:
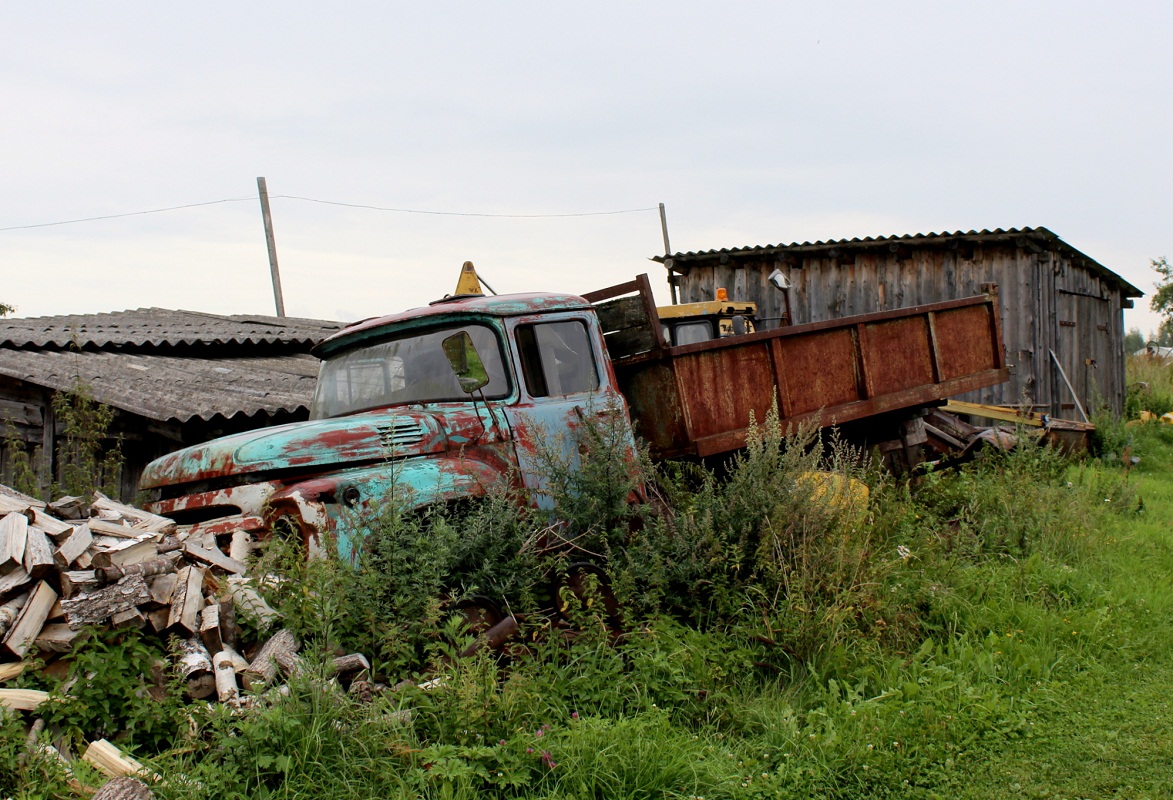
[(1048, 303), (26, 409)]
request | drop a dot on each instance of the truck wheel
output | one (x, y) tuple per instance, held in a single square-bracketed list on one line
[(588, 582)]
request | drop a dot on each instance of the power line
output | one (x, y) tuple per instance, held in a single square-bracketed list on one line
[(465, 213), (128, 214), (331, 203)]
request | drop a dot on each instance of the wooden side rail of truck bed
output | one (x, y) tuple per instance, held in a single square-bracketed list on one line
[(696, 399)]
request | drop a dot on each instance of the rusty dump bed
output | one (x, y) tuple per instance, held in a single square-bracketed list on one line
[(696, 399)]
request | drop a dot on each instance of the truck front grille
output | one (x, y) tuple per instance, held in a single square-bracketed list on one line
[(400, 433)]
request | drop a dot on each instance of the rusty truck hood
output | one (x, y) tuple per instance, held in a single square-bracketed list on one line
[(355, 439)]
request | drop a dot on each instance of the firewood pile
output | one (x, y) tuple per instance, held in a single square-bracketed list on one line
[(70, 564)]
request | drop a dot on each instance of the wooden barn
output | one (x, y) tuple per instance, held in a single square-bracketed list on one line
[(173, 378), (1062, 311)]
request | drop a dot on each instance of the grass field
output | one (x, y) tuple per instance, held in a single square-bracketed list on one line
[(1002, 631)]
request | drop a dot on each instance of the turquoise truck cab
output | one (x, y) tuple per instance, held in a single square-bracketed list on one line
[(393, 421)]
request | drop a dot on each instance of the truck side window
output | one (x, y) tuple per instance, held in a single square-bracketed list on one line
[(556, 358)]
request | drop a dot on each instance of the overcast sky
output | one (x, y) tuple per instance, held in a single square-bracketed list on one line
[(753, 124)]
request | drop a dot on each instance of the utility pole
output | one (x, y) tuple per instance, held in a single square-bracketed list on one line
[(667, 252), (263, 189)]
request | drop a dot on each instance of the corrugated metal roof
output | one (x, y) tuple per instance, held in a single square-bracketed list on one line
[(173, 388), (160, 328), (998, 234)]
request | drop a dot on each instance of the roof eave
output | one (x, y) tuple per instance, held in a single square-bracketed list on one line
[(681, 262)]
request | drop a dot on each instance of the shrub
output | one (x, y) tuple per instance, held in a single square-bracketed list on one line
[(119, 687), (87, 460)]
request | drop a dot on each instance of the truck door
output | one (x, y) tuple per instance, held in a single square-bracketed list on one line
[(563, 387)]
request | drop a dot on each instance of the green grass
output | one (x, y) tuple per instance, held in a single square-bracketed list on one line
[(1006, 631)]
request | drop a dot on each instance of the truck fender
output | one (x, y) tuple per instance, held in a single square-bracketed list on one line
[(339, 504)]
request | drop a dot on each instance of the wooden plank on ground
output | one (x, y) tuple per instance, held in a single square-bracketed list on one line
[(110, 760)]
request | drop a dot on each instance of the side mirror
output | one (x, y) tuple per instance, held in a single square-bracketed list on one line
[(465, 362)]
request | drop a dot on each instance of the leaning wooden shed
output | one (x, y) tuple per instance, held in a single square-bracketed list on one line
[(1062, 311)]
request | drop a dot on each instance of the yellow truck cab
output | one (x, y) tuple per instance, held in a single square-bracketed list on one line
[(688, 323)]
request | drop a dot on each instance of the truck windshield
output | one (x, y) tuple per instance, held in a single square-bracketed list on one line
[(407, 369)]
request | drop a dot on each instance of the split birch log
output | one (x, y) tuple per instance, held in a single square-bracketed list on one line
[(228, 629), (289, 664), (22, 699), (204, 539), (107, 528), (13, 580), (77, 581), (127, 553), (110, 760), (13, 535), (30, 741), (10, 610), (38, 553), (124, 788), (214, 557), (74, 544), (188, 601), (69, 507), (56, 638), (248, 601), (10, 505), (53, 527), (136, 516), (157, 619), (241, 547), (30, 620), (225, 669), (131, 618), (13, 670), (210, 628), (263, 668), (163, 588), (97, 606), (355, 662), (169, 543), (239, 662), (159, 565), (195, 665)]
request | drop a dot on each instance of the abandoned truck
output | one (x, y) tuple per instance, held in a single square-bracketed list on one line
[(438, 404)]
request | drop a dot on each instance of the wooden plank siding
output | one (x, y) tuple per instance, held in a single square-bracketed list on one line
[(27, 421), (1052, 300)]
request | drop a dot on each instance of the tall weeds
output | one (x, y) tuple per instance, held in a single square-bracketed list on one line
[(796, 623)]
